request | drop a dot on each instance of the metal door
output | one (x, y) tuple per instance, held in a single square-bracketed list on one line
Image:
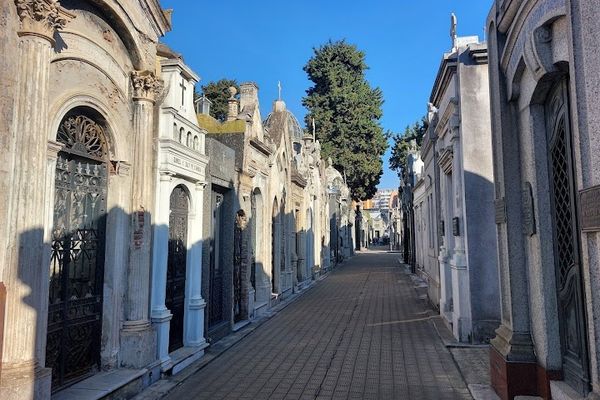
[(177, 265), (77, 258), (238, 314), (571, 302), (215, 307)]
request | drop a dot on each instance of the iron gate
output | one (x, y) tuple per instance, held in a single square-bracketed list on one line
[(571, 304), (176, 265), (77, 257), (215, 309)]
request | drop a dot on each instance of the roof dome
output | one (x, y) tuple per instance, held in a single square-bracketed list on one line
[(282, 116)]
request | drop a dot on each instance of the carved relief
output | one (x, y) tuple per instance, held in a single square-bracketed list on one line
[(41, 16), (146, 85)]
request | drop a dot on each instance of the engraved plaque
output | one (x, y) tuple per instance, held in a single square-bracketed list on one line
[(589, 204), (455, 227), (528, 211), (500, 207)]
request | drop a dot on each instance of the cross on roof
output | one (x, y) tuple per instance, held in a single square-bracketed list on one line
[(183, 89)]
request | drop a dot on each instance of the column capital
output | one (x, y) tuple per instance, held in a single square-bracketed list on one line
[(146, 86), (200, 186), (54, 148), (166, 176), (41, 18)]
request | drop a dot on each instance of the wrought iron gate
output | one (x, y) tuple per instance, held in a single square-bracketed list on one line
[(571, 303), (238, 254), (215, 308), (77, 258), (176, 265)]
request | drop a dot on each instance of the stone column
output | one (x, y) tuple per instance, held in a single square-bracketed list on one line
[(445, 277), (138, 339), (160, 315), (461, 315), (25, 274), (194, 315)]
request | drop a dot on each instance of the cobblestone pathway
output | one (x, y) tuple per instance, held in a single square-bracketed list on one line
[(359, 334)]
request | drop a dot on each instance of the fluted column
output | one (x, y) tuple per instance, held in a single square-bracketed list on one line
[(139, 339), (25, 273)]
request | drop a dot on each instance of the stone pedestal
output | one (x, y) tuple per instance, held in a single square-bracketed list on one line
[(23, 375)]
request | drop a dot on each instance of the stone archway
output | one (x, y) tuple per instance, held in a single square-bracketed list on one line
[(275, 246), (78, 244)]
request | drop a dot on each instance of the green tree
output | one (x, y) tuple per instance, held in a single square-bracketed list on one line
[(218, 93), (401, 146), (347, 113)]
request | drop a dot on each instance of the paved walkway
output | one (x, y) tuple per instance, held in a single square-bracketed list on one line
[(359, 334)]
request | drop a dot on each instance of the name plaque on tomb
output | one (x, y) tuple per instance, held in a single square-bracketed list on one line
[(500, 210), (528, 211), (455, 227), (589, 203)]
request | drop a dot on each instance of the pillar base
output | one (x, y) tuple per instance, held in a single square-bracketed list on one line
[(138, 347), (25, 381), (514, 370)]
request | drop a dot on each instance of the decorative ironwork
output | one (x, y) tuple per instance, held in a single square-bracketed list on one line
[(76, 269), (176, 265), (215, 308), (83, 136), (566, 243), (237, 265)]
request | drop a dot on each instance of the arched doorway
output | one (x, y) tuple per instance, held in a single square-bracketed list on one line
[(567, 246), (177, 265), (215, 303), (78, 243), (275, 245), (239, 310), (310, 242)]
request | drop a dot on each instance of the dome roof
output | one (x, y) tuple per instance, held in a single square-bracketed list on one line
[(276, 119)]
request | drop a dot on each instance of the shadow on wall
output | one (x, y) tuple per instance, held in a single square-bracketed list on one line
[(482, 254)]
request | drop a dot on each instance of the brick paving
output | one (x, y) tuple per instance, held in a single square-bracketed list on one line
[(359, 334)]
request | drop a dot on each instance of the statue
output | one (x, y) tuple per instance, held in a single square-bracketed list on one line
[(431, 112), (453, 24)]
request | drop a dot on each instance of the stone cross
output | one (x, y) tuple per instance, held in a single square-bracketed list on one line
[(183, 89), (279, 87), (453, 24)]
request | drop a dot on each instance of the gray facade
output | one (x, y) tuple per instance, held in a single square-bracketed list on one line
[(544, 82)]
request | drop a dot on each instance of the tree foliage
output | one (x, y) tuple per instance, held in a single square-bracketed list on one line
[(401, 146), (218, 93), (346, 110)]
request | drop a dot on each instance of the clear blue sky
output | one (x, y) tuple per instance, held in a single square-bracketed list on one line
[(266, 41)]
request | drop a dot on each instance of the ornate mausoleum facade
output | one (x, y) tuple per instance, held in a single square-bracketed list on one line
[(78, 130), (544, 85), (136, 232)]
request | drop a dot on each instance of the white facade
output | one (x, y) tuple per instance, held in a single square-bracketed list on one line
[(181, 166)]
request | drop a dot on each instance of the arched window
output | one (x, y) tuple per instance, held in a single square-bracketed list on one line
[(175, 132), (196, 142), (188, 141), (181, 135)]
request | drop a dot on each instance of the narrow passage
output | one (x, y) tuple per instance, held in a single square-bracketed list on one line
[(359, 334)]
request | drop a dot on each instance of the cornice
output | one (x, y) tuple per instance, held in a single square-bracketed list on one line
[(444, 76)]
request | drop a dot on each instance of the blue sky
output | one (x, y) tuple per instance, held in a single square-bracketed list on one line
[(266, 41)]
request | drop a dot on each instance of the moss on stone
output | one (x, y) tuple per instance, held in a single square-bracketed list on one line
[(215, 127)]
